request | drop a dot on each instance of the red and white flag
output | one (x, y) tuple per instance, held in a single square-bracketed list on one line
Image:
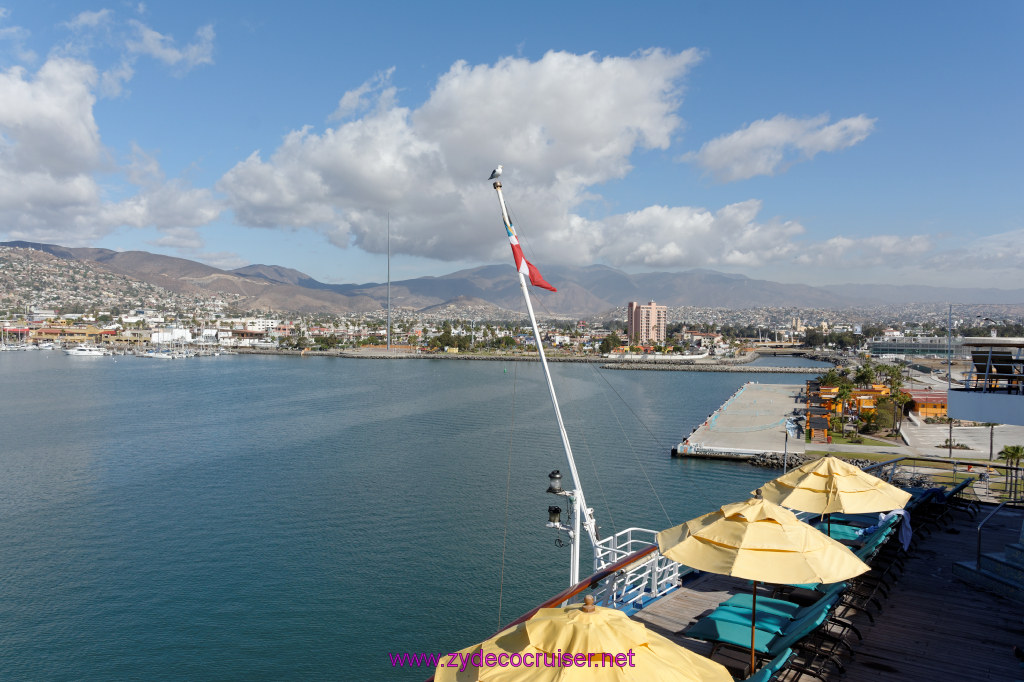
[(526, 267)]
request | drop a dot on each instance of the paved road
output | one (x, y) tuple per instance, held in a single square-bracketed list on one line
[(924, 440)]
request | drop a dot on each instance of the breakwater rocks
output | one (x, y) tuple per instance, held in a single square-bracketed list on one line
[(893, 473), (674, 367), (774, 460), (662, 364)]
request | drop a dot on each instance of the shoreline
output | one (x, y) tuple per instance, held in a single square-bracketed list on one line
[(664, 364)]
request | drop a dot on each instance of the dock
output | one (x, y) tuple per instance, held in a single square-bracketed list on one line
[(751, 422)]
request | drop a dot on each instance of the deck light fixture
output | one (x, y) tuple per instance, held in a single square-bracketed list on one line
[(555, 485)]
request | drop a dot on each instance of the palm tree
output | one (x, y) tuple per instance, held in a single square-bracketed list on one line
[(843, 396), (831, 378), (894, 380), (868, 420), (901, 399), (865, 375), (1012, 454)]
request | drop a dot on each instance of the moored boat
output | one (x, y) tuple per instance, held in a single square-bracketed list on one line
[(86, 349)]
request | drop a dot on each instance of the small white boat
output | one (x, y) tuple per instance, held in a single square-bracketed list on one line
[(87, 349)]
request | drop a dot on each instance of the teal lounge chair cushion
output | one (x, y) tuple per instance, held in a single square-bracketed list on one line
[(779, 607), (730, 633), (766, 622)]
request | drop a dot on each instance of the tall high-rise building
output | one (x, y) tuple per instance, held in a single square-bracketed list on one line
[(646, 323)]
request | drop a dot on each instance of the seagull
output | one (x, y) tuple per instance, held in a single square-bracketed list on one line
[(495, 173)]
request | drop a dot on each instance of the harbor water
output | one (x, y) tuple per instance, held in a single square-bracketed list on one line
[(265, 518)]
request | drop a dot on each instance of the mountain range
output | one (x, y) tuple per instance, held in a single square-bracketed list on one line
[(582, 291)]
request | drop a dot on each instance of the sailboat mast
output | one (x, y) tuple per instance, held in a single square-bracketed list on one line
[(584, 511), (389, 283)]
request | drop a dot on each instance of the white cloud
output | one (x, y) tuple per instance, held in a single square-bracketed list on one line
[(225, 260), (162, 47), (112, 81), (90, 19), (355, 101), (560, 125), (674, 237), (1003, 252), (180, 238), (171, 206), (102, 30), (16, 36), (50, 153), (766, 147), (46, 122)]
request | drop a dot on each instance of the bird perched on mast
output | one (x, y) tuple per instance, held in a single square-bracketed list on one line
[(496, 173)]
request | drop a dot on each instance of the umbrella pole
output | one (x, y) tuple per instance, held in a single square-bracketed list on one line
[(753, 620)]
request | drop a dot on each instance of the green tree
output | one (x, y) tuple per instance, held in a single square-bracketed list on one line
[(885, 413), (1012, 455), (865, 375), (445, 339), (901, 400), (813, 338), (831, 378), (843, 395), (610, 342), (892, 376), (869, 421)]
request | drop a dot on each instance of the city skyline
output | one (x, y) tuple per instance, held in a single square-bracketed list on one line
[(817, 144)]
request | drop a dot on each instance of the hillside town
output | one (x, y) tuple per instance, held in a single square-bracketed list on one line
[(46, 300)]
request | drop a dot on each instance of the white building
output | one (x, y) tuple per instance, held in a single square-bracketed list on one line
[(171, 335)]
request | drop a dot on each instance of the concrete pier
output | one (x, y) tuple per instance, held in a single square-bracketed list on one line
[(752, 421)]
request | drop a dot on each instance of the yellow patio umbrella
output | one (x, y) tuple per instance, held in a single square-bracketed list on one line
[(760, 541), (829, 485), (612, 646)]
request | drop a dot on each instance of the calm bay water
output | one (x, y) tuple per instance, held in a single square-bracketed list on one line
[(257, 517)]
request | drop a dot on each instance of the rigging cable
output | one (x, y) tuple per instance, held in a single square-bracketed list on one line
[(586, 446), (631, 449), (508, 485)]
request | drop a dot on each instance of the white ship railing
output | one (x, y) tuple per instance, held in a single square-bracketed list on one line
[(638, 583)]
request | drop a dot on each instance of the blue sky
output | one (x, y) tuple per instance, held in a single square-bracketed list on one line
[(798, 142)]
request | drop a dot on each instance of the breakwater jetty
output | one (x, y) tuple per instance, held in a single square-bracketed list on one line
[(662, 363), (752, 422), (711, 367)]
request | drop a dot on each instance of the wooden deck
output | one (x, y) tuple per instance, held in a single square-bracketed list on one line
[(932, 627)]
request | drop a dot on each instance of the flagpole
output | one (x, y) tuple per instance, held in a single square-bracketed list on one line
[(579, 501)]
